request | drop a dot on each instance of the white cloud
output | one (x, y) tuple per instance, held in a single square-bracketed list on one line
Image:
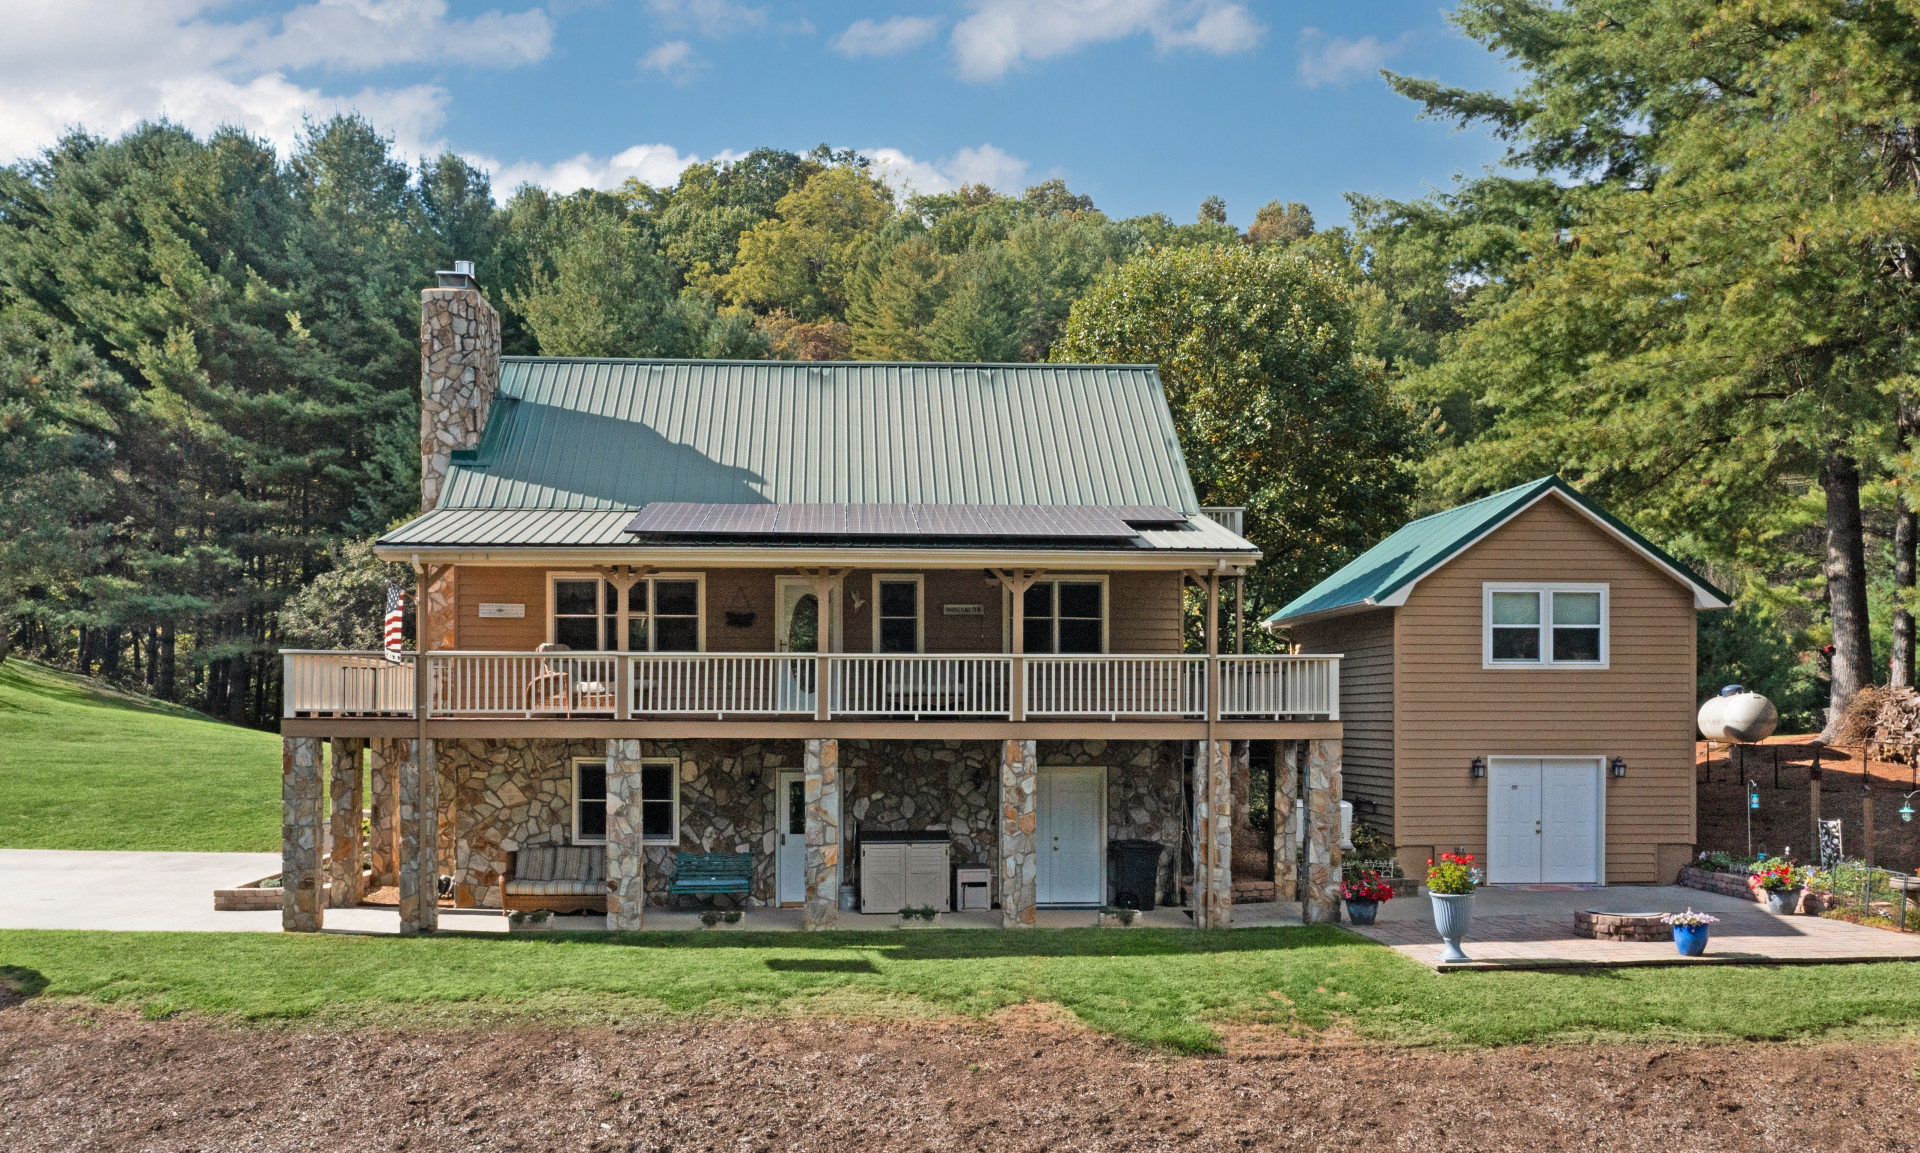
[(105, 65), (983, 165), (1334, 60), (673, 59), (1001, 34), (710, 17), (657, 164), (885, 38)]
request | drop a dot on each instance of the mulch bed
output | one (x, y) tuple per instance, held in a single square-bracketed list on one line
[(1784, 818), (101, 1079)]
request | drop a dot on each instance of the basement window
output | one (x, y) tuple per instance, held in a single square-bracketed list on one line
[(659, 802)]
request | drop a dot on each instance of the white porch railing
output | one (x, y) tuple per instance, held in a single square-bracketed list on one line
[(923, 686), (722, 684), (1114, 687), (347, 683), (920, 686), (1280, 687)]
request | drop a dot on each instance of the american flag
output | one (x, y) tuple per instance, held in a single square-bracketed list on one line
[(396, 615)]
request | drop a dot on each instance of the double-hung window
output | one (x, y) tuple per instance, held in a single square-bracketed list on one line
[(896, 614), (659, 802), (1065, 617), (1549, 624), (657, 614)]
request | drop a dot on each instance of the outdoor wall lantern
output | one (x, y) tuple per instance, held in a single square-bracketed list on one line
[(1478, 768), (1619, 766), (1906, 807)]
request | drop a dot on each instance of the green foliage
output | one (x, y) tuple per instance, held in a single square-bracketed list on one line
[(1276, 409), (802, 260), (1748, 646), (345, 607)]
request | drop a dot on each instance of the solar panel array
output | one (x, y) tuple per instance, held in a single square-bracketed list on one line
[(966, 521)]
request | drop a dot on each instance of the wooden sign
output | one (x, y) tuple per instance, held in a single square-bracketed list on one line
[(963, 610), (511, 612)]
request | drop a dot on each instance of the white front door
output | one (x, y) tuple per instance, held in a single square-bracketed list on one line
[(796, 630), (1543, 820), (1069, 807), (790, 848)]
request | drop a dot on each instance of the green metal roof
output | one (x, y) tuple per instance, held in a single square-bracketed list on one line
[(1382, 575), (621, 434)]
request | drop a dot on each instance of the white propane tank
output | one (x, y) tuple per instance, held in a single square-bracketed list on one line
[(1738, 717)]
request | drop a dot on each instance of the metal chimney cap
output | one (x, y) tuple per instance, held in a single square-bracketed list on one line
[(464, 267), (460, 276)]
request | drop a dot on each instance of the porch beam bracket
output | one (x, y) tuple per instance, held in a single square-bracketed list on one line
[(1017, 582)]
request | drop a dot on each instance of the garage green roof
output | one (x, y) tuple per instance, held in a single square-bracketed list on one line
[(1382, 576), (606, 434)]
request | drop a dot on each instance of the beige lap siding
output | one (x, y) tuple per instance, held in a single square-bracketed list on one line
[(1365, 641), (1448, 710)]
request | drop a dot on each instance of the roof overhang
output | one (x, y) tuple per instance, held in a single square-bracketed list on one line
[(1704, 595), (1223, 562)]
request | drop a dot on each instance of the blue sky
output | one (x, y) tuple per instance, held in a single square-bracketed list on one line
[(1147, 105)]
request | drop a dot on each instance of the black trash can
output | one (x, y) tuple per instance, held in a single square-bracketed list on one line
[(1136, 873)]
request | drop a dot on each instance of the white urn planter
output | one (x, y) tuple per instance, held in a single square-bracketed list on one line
[(1452, 915)]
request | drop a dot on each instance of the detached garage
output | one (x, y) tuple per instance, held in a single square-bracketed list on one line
[(1518, 683)]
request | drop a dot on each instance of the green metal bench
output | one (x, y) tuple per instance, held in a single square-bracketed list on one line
[(711, 874)]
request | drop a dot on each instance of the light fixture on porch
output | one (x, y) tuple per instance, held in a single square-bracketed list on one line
[(1619, 766), (1478, 768), (1906, 807)]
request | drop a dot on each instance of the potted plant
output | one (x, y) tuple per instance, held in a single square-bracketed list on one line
[(1690, 931), (913, 916), (1363, 895), (1450, 882), (523, 921), (1117, 917), (1778, 883)]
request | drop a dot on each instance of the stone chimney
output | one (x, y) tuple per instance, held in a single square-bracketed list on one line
[(459, 373)]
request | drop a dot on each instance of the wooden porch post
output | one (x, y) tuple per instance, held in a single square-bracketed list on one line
[(1239, 614), (823, 833), (626, 856), (346, 798), (1017, 582), (301, 906)]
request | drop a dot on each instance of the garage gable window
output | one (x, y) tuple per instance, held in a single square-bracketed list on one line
[(1552, 625)]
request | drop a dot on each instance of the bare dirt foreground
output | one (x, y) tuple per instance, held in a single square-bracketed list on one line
[(100, 1079)]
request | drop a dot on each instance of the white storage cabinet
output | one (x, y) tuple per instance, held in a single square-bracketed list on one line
[(900, 874)]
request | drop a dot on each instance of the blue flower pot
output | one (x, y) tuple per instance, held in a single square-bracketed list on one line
[(1691, 940), (1452, 914), (1362, 912)]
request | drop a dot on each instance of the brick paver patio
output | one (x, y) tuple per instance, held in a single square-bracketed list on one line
[(1537, 937)]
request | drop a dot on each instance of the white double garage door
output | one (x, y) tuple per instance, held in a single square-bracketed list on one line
[(1546, 820)]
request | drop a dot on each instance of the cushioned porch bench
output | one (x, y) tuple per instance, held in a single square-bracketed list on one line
[(563, 878), (711, 874)]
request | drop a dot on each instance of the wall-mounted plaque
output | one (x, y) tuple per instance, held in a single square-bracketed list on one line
[(511, 612), (963, 610)]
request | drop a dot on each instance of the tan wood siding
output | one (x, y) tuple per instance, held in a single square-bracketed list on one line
[(1448, 709), (502, 585), (1366, 707), (1144, 613)]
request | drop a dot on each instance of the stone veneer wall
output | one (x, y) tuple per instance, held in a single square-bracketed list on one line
[(1145, 798), (459, 374), (901, 786), (507, 794)]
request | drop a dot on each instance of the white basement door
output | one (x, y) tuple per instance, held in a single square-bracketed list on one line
[(1543, 820), (1067, 821), (790, 853)]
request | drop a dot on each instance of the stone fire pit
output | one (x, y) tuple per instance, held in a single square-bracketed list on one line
[(1605, 926)]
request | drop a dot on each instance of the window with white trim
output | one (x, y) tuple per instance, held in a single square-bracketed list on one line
[(661, 614), (659, 802), (1066, 617), (896, 614), (1546, 624)]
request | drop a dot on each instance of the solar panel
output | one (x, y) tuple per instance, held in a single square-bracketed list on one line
[(949, 521)]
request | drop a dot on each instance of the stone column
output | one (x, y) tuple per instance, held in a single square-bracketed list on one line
[(1213, 820), (823, 834), (459, 374), (420, 839), (626, 853), (346, 797), (1019, 845), (1286, 838), (1324, 788), (300, 808), (383, 781)]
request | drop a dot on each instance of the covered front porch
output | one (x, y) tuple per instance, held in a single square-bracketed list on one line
[(481, 820)]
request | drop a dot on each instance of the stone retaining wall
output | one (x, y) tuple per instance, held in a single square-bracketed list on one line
[(1727, 884)]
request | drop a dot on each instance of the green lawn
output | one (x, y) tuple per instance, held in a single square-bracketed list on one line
[(82, 767), (1151, 986)]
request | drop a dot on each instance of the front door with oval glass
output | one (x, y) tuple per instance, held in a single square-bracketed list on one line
[(790, 847), (797, 631)]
